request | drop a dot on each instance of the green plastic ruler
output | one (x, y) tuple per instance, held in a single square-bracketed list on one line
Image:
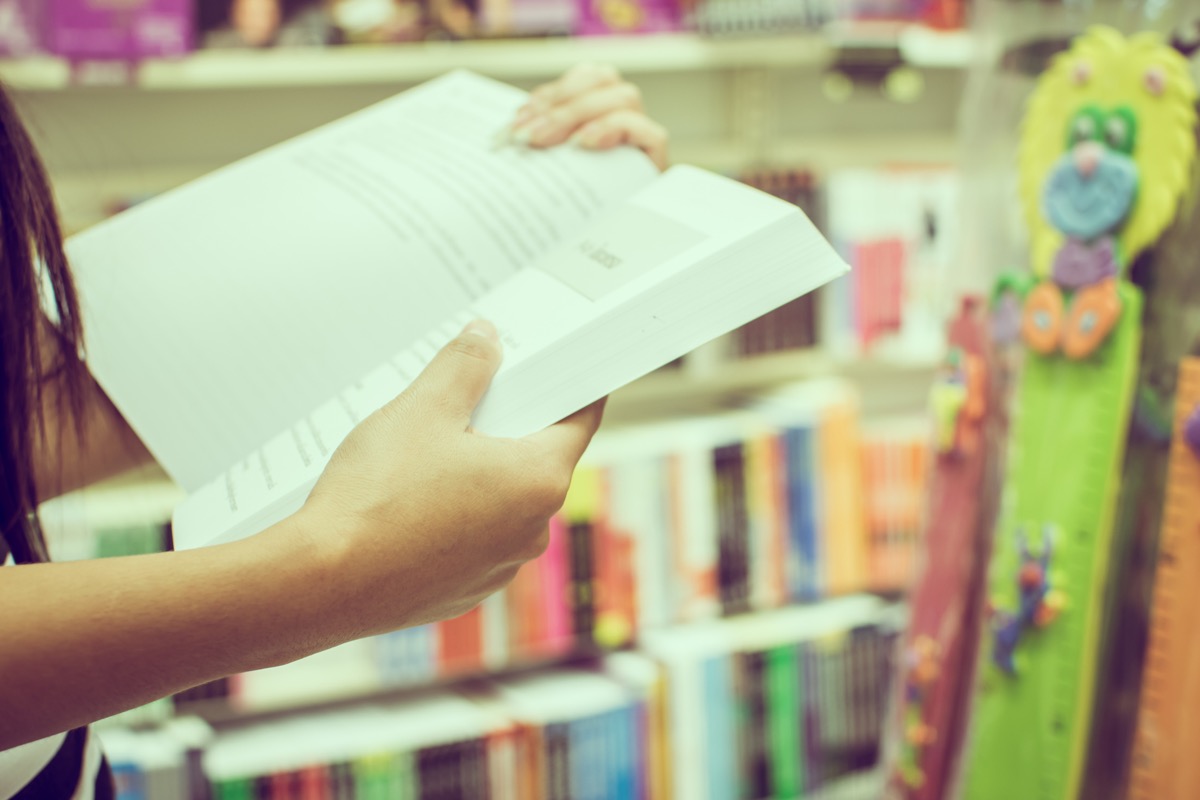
[(1030, 729)]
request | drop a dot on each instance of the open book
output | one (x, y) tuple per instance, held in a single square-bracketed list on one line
[(245, 322)]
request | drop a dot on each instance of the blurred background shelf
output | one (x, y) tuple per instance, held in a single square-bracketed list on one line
[(516, 59), (697, 387), (302, 689)]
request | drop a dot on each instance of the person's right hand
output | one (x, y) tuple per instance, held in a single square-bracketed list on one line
[(421, 517)]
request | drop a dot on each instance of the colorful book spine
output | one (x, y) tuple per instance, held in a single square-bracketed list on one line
[(841, 525), (733, 545)]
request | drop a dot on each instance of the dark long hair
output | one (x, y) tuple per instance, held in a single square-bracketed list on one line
[(32, 265)]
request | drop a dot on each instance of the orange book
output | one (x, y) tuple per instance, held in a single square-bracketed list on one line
[(460, 645), (843, 534), (523, 631)]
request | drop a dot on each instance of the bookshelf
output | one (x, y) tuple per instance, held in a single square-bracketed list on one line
[(519, 59), (731, 104)]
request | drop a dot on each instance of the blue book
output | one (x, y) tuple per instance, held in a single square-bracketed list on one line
[(131, 783), (624, 756), (804, 566), (720, 729)]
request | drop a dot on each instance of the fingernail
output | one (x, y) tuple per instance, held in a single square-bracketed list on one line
[(521, 135), (525, 113), (538, 129), (481, 327)]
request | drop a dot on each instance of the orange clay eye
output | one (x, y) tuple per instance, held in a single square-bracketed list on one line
[(1094, 313), (1041, 318)]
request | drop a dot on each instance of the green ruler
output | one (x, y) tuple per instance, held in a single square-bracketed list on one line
[(1030, 729)]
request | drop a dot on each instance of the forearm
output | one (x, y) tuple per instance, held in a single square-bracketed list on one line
[(83, 640)]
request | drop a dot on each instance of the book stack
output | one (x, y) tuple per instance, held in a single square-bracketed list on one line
[(556, 734), (792, 501), (778, 705), (773, 706)]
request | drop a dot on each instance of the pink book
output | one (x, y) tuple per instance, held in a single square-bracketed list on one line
[(555, 588)]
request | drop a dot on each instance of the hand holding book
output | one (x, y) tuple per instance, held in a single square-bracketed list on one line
[(593, 107), (421, 517)]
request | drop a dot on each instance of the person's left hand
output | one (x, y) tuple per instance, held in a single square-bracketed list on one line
[(592, 106)]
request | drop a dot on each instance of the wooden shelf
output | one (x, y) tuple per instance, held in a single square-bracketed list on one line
[(835, 614), (518, 59), (724, 384)]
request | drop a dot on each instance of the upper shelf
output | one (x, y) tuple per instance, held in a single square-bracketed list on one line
[(505, 59)]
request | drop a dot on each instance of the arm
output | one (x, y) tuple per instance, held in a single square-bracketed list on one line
[(415, 519), (71, 453)]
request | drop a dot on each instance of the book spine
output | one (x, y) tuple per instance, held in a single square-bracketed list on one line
[(342, 781), (696, 532), (841, 499), (460, 645), (757, 765), (502, 765), (583, 611), (783, 716), (732, 525), (581, 512), (626, 744), (473, 770), (313, 783), (557, 742), (521, 643), (495, 632), (801, 506), (811, 689), (720, 728), (556, 586)]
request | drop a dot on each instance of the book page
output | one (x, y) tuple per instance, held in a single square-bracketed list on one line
[(222, 311)]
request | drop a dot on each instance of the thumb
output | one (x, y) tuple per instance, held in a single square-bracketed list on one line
[(454, 382)]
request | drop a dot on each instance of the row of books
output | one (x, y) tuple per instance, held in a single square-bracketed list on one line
[(771, 707), (792, 501), (84, 29)]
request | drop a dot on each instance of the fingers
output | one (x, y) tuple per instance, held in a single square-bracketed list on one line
[(454, 382), (574, 82), (625, 127), (555, 126), (570, 437)]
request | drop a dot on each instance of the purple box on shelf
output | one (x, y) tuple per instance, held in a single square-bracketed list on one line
[(19, 28), (603, 17), (117, 29)]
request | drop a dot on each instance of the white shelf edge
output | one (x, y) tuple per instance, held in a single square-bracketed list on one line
[(682, 391), (515, 59)]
